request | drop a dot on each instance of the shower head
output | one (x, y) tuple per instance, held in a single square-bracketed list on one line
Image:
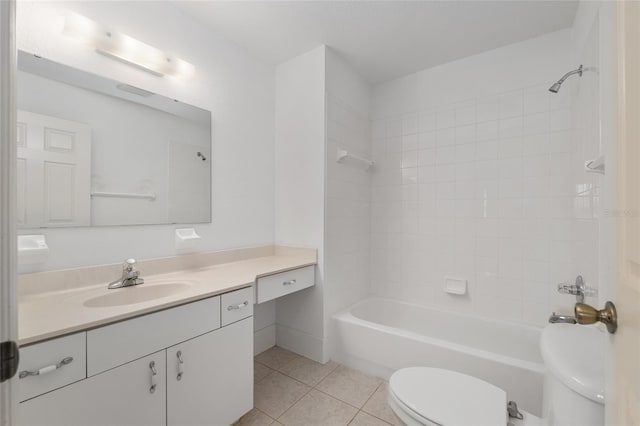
[(556, 86)]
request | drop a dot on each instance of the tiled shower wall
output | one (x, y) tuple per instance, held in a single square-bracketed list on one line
[(348, 204), (489, 188)]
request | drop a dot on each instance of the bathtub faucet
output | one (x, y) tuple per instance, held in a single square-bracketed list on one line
[(553, 319)]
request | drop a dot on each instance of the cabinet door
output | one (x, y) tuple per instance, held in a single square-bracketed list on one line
[(213, 385), (121, 396)]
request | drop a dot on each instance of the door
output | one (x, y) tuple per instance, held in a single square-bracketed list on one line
[(8, 314), (133, 394), (210, 378), (626, 341), (53, 171)]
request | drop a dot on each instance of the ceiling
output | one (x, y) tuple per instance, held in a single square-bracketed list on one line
[(382, 40)]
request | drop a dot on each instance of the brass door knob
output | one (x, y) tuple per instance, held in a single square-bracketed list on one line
[(586, 314)]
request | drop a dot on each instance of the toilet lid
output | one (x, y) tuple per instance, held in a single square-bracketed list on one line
[(449, 398)]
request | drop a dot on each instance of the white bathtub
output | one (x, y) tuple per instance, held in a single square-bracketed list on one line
[(379, 336)]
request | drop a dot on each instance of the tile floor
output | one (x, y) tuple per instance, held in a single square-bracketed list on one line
[(292, 390)]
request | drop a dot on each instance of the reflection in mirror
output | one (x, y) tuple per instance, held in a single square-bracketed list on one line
[(93, 151)]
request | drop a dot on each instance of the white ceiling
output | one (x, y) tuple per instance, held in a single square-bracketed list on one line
[(382, 40)]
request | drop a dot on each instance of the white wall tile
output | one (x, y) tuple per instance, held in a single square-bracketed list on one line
[(446, 137), (445, 118), (487, 130), (394, 127), (500, 188), (465, 113), (410, 142), (536, 99), (427, 139), (488, 109), (409, 124), (511, 104), (465, 134), (427, 121)]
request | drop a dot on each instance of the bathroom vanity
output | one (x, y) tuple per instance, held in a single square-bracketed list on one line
[(184, 356)]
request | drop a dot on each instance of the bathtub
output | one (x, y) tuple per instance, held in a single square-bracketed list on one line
[(379, 336)]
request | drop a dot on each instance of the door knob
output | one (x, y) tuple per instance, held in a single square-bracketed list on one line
[(586, 314)]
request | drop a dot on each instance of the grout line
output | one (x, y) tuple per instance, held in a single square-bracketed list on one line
[(353, 418), (371, 396), (296, 401), (338, 399), (371, 414), (315, 387), (262, 379), (257, 409)]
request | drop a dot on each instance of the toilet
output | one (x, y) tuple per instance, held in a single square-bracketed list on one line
[(573, 388)]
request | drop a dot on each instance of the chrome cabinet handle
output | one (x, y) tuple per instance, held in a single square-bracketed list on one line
[(238, 306), (154, 373), (180, 362), (47, 369), (290, 282)]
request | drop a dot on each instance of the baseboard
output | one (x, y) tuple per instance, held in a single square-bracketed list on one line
[(302, 343), (362, 365), (264, 338)]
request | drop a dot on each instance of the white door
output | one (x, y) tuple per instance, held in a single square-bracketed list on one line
[(53, 171), (214, 383), (122, 396), (625, 409), (8, 313)]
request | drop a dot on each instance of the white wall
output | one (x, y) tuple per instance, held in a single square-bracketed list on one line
[(479, 177), (348, 188), (235, 87), (321, 104), (299, 193)]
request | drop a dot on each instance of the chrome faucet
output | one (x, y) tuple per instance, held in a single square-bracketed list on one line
[(130, 276), (554, 318)]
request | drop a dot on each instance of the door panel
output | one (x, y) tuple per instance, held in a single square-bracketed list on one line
[(21, 196), (626, 341), (216, 384), (8, 256), (57, 171)]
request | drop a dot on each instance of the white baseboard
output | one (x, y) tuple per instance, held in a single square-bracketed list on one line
[(364, 366), (302, 343), (264, 338)]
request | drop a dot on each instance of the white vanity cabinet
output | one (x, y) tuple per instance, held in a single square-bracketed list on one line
[(133, 371), (208, 382), (122, 396)]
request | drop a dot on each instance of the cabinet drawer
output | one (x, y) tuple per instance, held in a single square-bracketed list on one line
[(273, 286), (236, 305), (116, 344), (59, 362)]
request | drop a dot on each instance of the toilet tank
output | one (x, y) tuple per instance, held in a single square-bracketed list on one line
[(575, 375)]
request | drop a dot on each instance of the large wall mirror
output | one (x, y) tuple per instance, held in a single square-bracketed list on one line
[(94, 151)]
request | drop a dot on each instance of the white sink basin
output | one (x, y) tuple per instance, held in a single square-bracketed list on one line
[(137, 294)]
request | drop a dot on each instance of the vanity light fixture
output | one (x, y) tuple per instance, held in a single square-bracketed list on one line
[(124, 48)]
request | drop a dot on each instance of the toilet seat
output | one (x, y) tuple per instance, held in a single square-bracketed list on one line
[(444, 397)]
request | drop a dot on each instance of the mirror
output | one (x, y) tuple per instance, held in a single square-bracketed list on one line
[(94, 151)]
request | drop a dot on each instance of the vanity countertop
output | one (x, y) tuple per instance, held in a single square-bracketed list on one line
[(63, 308)]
